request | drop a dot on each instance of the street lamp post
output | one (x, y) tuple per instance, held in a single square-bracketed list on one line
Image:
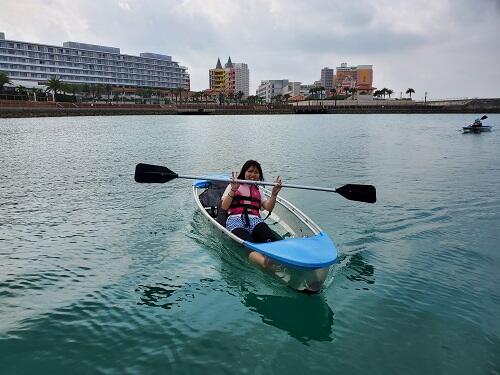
[(425, 97)]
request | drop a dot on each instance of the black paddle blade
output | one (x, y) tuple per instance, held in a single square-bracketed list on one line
[(484, 117), (360, 193), (153, 173)]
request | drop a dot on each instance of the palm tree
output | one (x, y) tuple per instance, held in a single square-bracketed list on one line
[(221, 98), (410, 91), (239, 95), (54, 84), (4, 80), (109, 89), (321, 91), (313, 91), (353, 91), (333, 91), (21, 90), (390, 92), (178, 92)]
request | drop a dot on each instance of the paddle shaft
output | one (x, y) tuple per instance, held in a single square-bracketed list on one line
[(147, 173), (250, 182)]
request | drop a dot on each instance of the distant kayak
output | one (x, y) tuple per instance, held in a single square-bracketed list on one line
[(476, 129)]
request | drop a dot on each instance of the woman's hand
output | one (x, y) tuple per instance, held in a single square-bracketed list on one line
[(277, 187), (234, 185)]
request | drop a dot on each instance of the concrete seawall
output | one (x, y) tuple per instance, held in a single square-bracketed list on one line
[(48, 109)]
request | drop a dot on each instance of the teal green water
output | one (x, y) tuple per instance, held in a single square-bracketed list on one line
[(101, 275)]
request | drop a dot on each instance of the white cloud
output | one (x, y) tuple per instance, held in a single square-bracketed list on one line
[(445, 47)]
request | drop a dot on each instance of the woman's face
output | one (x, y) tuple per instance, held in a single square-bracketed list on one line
[(252, 173)]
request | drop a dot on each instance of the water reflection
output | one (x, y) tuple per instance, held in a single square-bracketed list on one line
[(158, 295), (306, 318), (357, 269)]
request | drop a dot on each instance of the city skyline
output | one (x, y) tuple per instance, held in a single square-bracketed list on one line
[(445, 48)]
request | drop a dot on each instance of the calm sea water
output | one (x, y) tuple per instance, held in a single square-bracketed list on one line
[(99, 274)]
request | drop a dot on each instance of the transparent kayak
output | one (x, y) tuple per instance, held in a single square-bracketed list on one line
[(303, 246)]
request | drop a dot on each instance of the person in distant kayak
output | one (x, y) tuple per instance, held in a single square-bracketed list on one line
[(477, 123), (243, 203)]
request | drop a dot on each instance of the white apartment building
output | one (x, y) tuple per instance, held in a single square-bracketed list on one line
[(292, 89), (91, 64), (241, 78), (270, 88)]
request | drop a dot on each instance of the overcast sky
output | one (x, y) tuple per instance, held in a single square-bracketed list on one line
[(449, 48)]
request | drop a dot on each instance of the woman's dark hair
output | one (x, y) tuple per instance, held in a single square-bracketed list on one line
[(247, 165)]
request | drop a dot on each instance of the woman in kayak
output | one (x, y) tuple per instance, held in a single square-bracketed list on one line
[(243, 203)]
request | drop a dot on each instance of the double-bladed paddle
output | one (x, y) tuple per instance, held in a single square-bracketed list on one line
[(148, 173)]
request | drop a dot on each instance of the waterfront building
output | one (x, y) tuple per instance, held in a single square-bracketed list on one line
[(231, 78), (271, 88), (292, 89), (359, 77), (89, 64), (218, 78), (326, 79), (241, 78), (364, 79)]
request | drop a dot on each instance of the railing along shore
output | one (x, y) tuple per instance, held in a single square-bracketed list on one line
[(24, 108)]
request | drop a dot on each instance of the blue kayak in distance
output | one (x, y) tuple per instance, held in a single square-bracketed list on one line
[(302, 245)]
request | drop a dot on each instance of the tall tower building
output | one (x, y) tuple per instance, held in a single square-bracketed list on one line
[(327, 78), (241, 78)]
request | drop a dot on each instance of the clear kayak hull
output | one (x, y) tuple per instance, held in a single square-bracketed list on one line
[(303, 247)]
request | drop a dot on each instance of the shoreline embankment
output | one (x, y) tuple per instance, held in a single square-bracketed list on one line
[(21, 109)]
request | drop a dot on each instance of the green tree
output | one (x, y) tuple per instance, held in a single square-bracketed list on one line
[(109, 90), (239, 95), (4, 80), (54, 85), (353, 91), (390, 92), (410, 91), (197, 96), (312, 92), (230, 96), (320, 90), (22, 91), (334, 95), (277, 99), (252, 99), (222, 98)]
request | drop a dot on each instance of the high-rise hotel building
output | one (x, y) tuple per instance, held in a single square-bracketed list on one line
[(90, 64)]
